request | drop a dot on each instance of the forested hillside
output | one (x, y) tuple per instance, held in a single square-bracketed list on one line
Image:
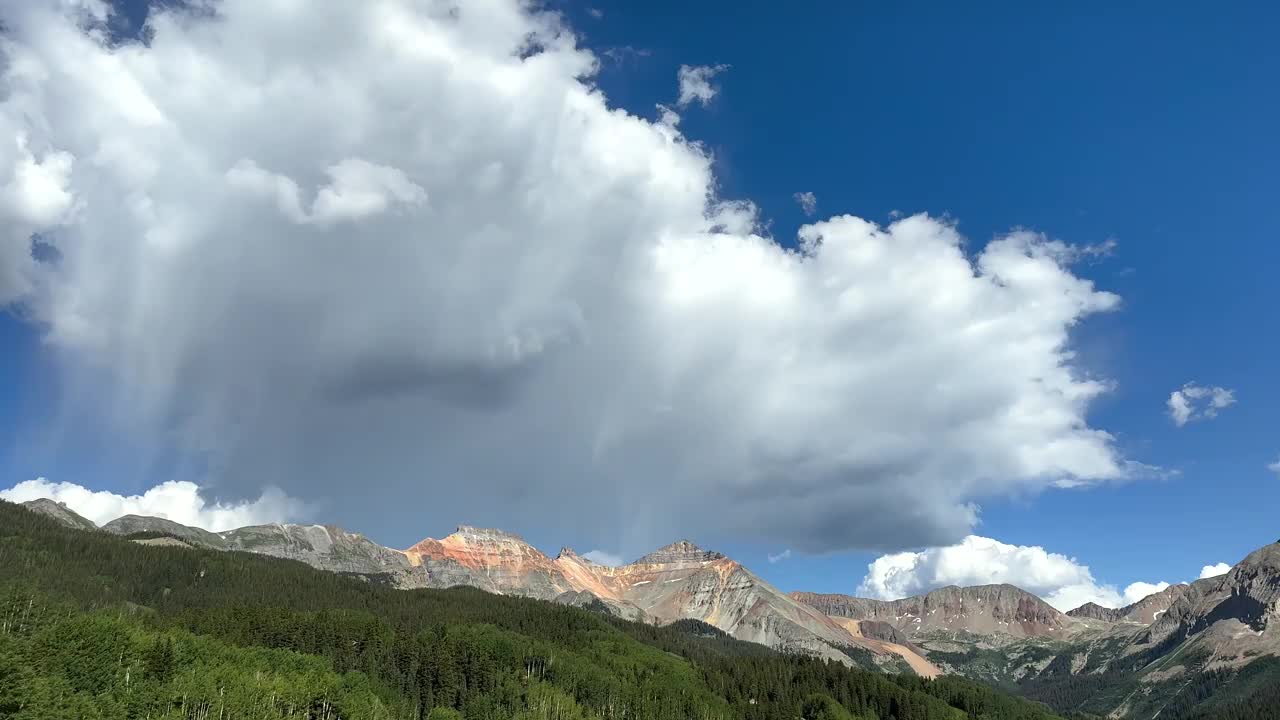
[(97, 626)]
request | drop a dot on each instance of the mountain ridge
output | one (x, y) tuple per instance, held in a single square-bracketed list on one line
[(999, 633)]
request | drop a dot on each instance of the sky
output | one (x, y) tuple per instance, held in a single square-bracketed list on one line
[(873, 299)]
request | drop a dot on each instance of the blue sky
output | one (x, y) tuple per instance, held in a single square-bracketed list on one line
[(1150, 125)]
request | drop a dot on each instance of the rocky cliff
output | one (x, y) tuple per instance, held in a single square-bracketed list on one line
[(1237, 615)]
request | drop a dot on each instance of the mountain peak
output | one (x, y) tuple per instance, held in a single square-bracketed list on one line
[(60, 512), (473, 532), (1095, 611), (681, 551)]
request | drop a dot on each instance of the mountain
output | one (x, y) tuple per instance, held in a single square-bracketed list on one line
[(1206, 649), (492, 560), (980, 610), (1237, 615), (331, 548), (97, 625), (1163, 655), (680, 581), (145, 524), (1144, 612), (60, 512)]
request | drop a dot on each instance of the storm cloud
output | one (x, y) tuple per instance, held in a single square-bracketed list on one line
[(404, 262)]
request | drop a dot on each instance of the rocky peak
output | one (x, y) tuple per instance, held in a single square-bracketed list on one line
[(568, 553), (1094, 611), (472, 533), (1254, 587), (680, 552), (60, 512)]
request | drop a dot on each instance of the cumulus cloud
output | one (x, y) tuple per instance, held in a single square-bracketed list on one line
[(601, 557), (178, 501), (437, 276), (1136, 591), (1215, 570), (1274, 467), (808, 202), (1194, 402), (779, 557), (1062, 581), (695, 83)]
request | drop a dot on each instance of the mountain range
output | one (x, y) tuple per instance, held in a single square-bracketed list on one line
[(1215, 637)]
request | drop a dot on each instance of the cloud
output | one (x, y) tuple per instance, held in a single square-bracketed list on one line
[(1136, 591), (1062, 581), (601, 557), (1209, 571), (1193, 402), (358, 189), (779, 557), (178, 501), (1274, 467), (624, 54), (34, 197), (808, 202), (695, 83), (457, 283)]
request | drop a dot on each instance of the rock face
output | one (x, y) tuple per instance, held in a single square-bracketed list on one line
[(60, 512), (1239, 610), (133, 524), (329, 548), (683, 581), (980, 610), (679, 581), (492, 560)]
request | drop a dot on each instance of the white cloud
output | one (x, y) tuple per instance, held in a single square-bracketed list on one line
[(437, 264), (1215, 570), (1274, 467), (1062, 581), (601, 557), (1193, 402), (1136, 591), (34, 197), (808, 202), (178, 501), (695, 83), (779, 557)]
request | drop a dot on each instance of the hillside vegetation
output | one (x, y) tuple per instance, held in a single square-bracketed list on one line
[(97, 626)]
